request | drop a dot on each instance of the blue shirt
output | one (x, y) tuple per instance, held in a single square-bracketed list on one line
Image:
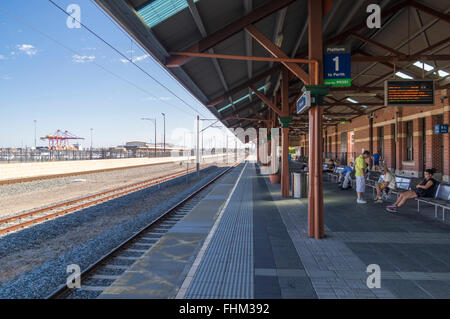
[(376, 157), (346, 170)]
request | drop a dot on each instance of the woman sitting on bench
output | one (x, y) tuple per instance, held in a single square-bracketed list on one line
[(426, 188)]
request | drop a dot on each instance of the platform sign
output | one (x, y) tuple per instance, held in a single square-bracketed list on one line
[(337, 66), (409, 93), (304, 102), (441, 129)]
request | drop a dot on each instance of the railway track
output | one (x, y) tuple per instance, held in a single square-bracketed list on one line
[(36, 216), (52, 176), (103, 272)]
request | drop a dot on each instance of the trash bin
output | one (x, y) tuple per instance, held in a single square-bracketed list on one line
[(300, 185)]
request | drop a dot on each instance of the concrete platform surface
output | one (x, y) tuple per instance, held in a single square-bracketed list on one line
[(245, 241)]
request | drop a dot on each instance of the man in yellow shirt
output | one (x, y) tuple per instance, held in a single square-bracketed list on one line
[(360, 174)]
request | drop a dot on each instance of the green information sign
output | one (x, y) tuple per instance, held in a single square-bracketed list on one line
[(338, 82)]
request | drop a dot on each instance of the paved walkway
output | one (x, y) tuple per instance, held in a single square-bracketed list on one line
[(251, 243), (413, 252)]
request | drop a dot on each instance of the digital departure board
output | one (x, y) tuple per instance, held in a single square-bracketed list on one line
[(409, 92)]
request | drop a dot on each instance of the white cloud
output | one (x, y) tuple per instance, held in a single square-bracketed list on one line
[(6, 77), (2, 57), (136, 59), (164, 98), (27, 49), (83, 58)]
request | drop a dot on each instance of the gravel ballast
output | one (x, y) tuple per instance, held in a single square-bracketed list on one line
[(89, 239)]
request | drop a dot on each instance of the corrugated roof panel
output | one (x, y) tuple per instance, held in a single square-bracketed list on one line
[(159, 10), (241, 99)]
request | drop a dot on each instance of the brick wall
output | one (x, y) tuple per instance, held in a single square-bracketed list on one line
[(395, 150)]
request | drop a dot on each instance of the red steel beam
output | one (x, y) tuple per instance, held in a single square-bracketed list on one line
[(277, 52), (265, 100), (244, 85), (244, 119), (406, 58), (375, 43), (430, 11), (359, 26), (229, 30), (239, 57)]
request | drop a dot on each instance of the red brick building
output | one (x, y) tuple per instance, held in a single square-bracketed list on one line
[(403, 135)]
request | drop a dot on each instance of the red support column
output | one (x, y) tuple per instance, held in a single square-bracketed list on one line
[(257, 144), (315, 197), (285, 120), (269, 136)]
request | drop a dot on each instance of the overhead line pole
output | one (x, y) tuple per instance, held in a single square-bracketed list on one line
[(197, 153), (164, 138)]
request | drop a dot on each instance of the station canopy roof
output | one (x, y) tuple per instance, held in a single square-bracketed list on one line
[(413, 42)]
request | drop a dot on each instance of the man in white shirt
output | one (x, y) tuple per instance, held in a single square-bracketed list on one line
[(386, 185)]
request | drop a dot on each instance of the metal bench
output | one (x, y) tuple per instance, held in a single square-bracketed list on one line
[(335, 174), (441, 199), (402, 184), (372, 178), (374, 184)]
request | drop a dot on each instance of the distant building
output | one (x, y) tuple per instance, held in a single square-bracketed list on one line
[(136, 144), (151, 146)]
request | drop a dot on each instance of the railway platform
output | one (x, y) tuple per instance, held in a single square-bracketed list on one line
[(243, 240)]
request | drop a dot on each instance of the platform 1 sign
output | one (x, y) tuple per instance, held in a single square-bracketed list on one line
[(337, 66), (304, 102), (409, 93), (441, 129)]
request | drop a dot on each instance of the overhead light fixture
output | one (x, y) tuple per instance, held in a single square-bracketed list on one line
[(424, 66), (361, 94), (403, 75), (351, 100), (442, 73), (364, 106)]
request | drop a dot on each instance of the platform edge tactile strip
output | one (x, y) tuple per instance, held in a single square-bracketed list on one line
[(226, 269)]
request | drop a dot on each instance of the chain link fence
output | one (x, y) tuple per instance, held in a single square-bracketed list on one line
[(45, 155)]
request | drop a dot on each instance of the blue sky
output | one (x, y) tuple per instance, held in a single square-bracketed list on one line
[(41, 80)]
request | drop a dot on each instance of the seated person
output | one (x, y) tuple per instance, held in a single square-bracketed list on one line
[(386, 185), (345, 176), (426, 188), (331, 166)]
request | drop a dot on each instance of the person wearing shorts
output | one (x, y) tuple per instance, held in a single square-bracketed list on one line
[(426, 188), (360, 174), (386, 185)]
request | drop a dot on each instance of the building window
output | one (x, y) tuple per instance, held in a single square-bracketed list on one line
[(409, 141)]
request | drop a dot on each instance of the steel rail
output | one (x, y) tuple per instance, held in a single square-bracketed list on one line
[(127, 190), (63, 291), (103, 170)]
